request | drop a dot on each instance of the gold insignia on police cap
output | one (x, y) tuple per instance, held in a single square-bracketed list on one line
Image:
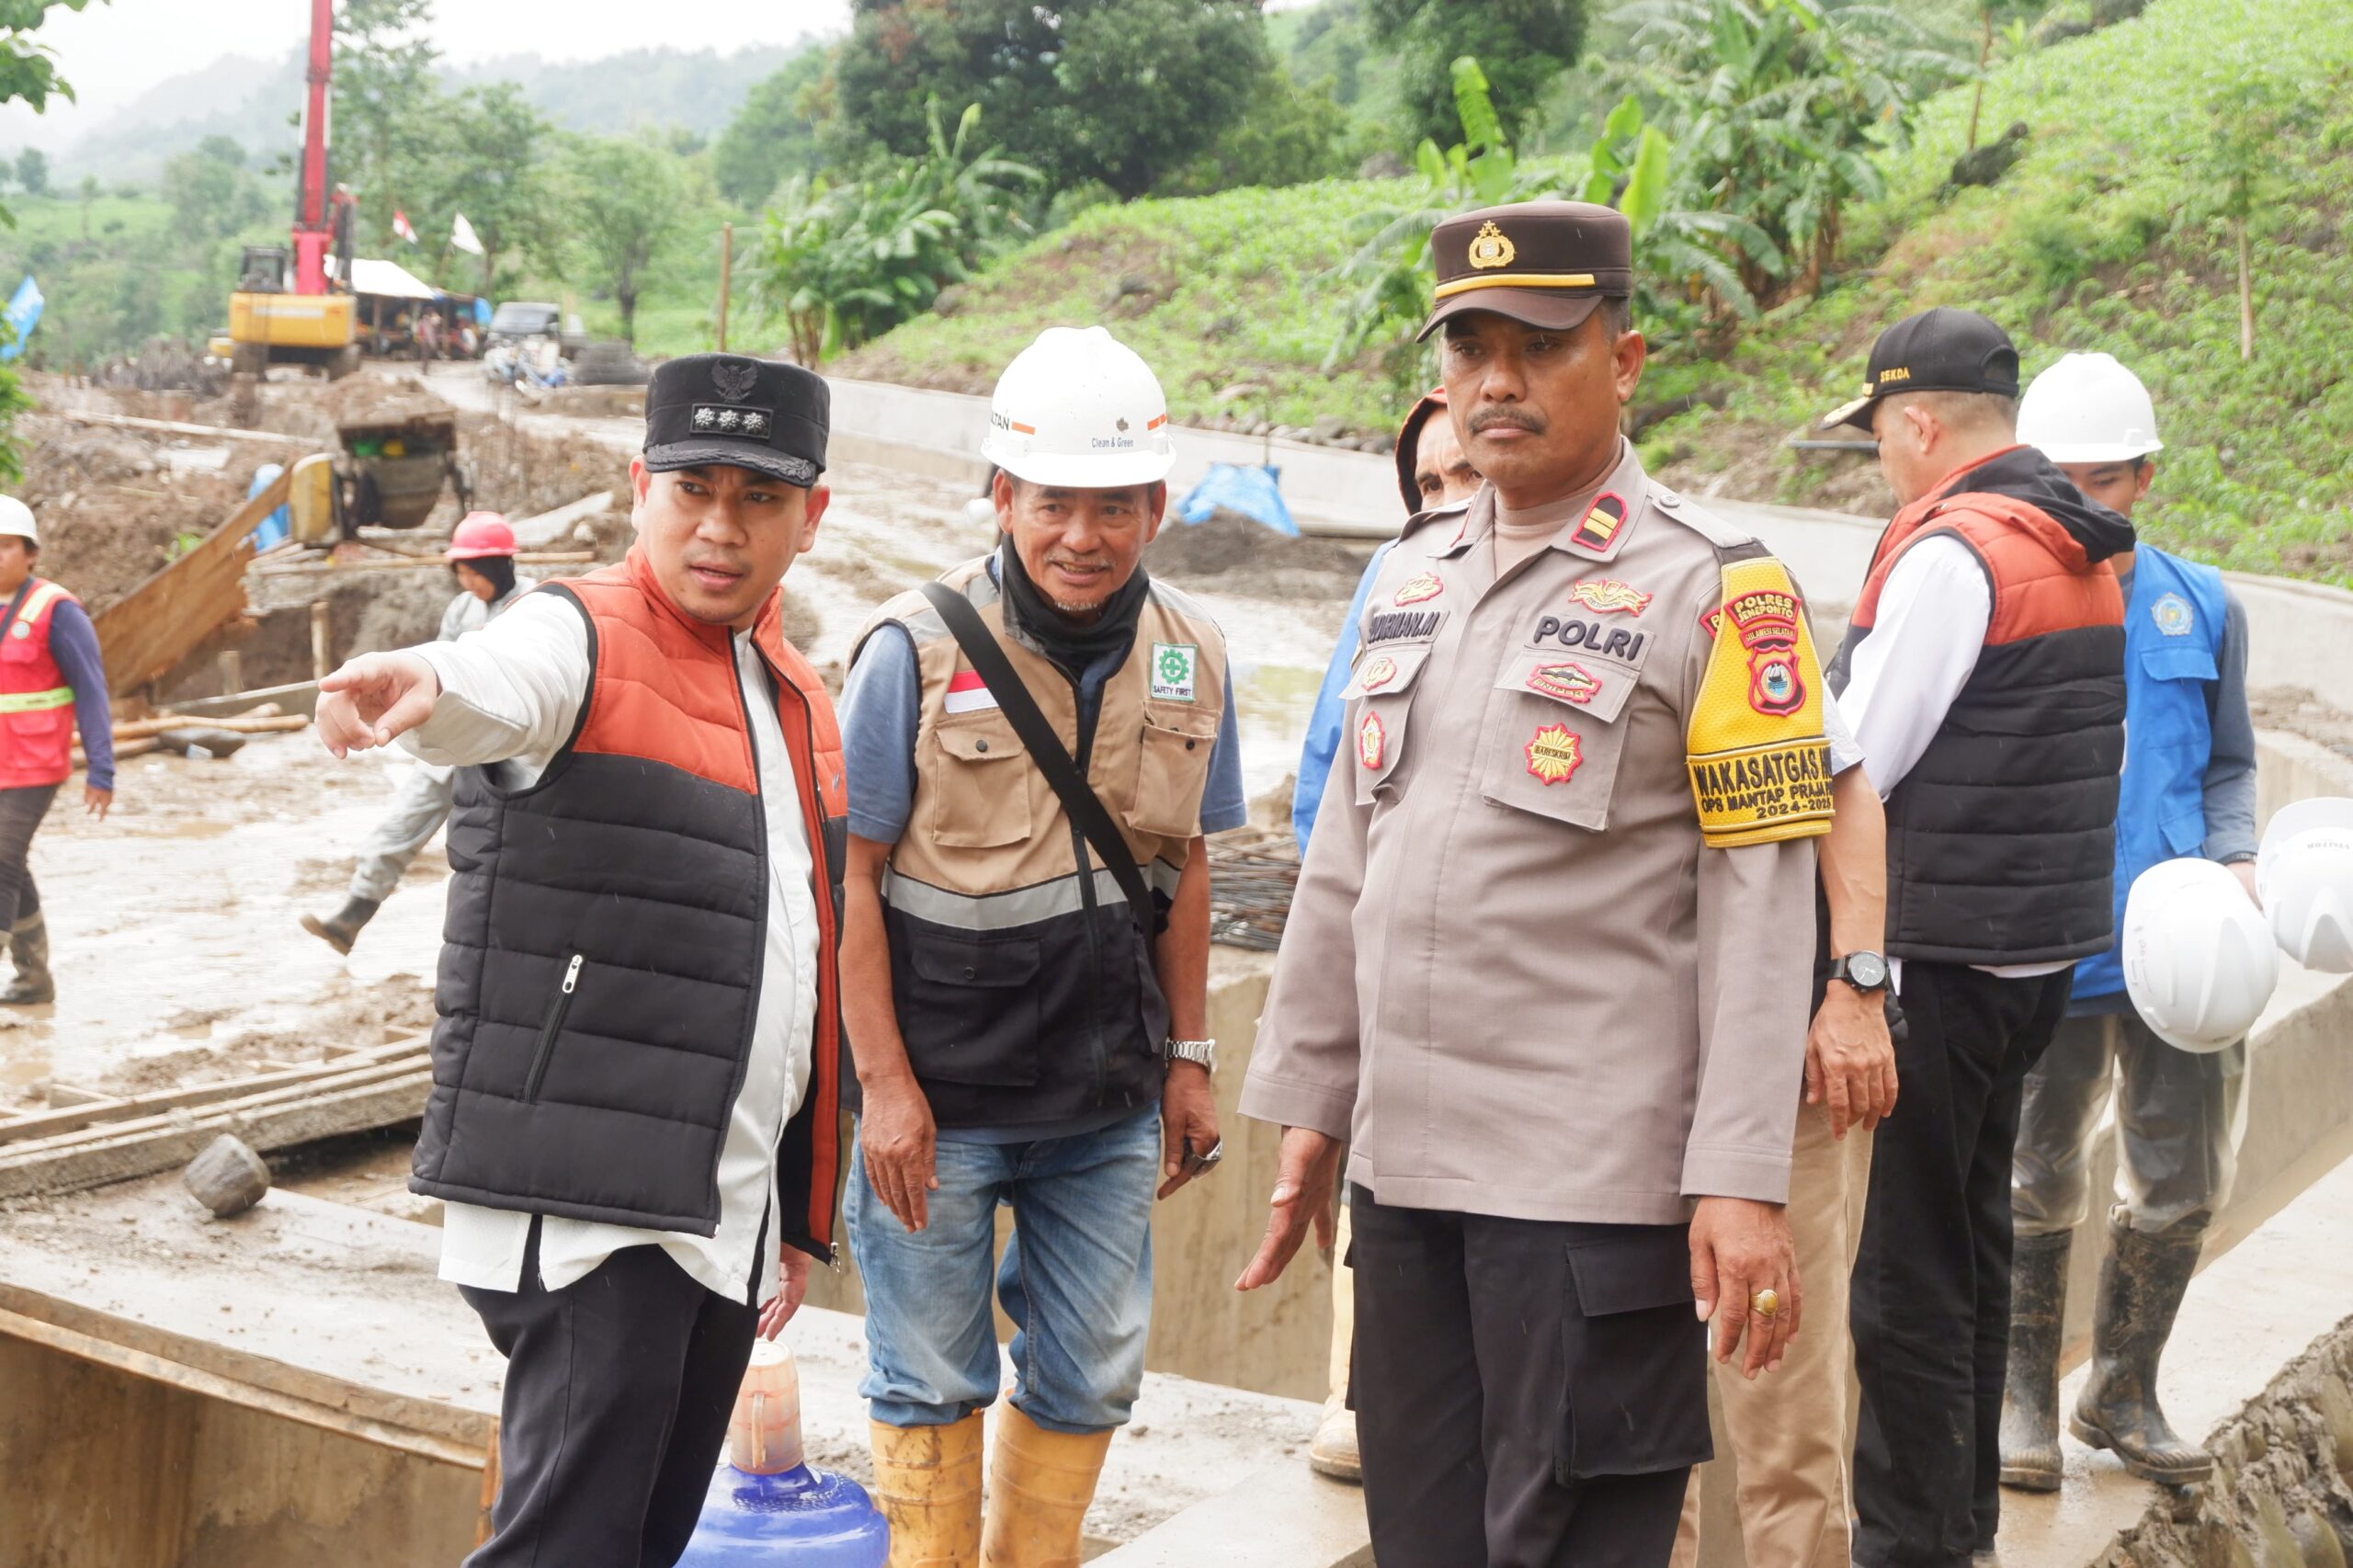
[(1491, 248)]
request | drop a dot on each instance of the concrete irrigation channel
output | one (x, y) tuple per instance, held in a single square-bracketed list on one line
[(295, 1385)]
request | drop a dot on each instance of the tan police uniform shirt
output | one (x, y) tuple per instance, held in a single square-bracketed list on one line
[(1551, 953)]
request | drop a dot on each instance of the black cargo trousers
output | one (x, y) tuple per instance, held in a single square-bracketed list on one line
[(1528, 1394)]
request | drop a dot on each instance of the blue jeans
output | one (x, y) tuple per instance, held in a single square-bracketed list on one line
[(1076, 1280)]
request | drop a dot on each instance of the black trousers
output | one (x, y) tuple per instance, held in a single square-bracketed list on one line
[(21, 811), (1528, 1394), (618, 1389), (1930, 1308)]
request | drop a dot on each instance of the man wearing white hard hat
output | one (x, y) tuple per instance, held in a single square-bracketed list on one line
[(1036, 745), (52, 679), (2188, 790), (482, 561)]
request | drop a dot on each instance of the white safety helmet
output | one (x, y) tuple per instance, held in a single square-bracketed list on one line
[(1079, 408), (17, 519), (2088, 409), (2304, 877), (2198, 963)]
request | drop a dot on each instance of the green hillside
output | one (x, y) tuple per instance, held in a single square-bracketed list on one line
[(2108, 234)]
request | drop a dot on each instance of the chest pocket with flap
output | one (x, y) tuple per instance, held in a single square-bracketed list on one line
[(978, 780), (1381, 697), (1555, 727), (1172, 771)]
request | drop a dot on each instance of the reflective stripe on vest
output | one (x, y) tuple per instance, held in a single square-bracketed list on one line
[(2173, 647), (36, 701)]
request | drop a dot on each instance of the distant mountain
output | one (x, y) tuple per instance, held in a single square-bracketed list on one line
[(257, 103)]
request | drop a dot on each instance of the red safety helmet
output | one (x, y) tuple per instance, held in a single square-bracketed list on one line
[(481, 534)]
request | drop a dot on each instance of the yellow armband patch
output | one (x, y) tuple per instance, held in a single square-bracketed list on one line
[(1760, 768)]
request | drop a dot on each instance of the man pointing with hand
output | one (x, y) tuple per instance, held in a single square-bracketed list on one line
[(634, 1102)]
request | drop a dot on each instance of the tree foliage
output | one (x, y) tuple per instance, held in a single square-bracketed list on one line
[(628, 202), (386, 107), (214, 196), (28, 75), (32, 171), (841, 264), (774, 134), (1521, 44), (1125, 92)]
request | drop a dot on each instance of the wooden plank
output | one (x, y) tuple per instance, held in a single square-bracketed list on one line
[(92, 1108), (177, 427), (36, 1142), (94, 1163), (213, 1385), (405, 562), (161, 621), (63, 1094)]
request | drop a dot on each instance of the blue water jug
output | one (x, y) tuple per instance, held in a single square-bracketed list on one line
[(766, 1505)]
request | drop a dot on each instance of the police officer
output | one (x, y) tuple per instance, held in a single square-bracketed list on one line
[(1546, 975), (2188, 789)]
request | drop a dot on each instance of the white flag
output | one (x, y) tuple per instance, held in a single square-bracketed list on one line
[(461, 234)]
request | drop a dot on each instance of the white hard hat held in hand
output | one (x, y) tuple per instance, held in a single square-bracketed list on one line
[(2199, 961), (2304, 876), (2088, 408), (1080, 409)]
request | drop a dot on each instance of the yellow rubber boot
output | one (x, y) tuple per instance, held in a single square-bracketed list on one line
[(1039, 1486), (927, 1484)]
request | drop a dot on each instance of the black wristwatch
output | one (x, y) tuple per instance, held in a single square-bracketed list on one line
[(1864, 971)]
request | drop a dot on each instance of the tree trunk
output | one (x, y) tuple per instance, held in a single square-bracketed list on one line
[(626, 297), (1984, 54), (2246, 298)]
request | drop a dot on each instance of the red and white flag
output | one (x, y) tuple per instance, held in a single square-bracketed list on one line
[(403, 227), (967, 692)]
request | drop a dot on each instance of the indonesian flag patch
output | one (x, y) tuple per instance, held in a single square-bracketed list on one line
[(968, 692)]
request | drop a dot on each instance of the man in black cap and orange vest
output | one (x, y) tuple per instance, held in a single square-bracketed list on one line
[(633, 1122), (1984, 675), (1568, 1119)]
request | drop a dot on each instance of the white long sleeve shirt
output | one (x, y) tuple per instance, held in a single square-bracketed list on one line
[(1925, 639), (510, 693)]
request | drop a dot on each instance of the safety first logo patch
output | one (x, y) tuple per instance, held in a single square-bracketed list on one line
[(1554, 754), (1172, 671), (1372, 743), (1418, 589), (1604, 595)]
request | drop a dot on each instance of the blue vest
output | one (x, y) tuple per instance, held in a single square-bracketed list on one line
[(2172, 644)]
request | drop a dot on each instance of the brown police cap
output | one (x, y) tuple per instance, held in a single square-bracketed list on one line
[(1545, 262)]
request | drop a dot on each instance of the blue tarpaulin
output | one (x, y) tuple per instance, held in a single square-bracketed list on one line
[(22, 315), (1255, 493), (274, 529)]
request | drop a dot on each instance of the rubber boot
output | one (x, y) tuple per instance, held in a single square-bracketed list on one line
[(2141, 1287), (340, 930), (2031, 1390), (927, 1484), (1334, 1452), (29, 950), (1039, 1486)]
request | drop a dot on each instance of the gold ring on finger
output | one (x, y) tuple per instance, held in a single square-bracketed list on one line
[(1767, 1302)]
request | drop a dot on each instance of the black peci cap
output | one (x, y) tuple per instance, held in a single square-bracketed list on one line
[(1939, 350), (763, 415), (1549, 264)]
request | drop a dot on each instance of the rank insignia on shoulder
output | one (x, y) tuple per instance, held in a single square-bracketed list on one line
[(1416, 589), (1378, 673), (2173, 616), (1554, 754), (1372, 743), (1602, 521), (1604, 595), (1569, 682)]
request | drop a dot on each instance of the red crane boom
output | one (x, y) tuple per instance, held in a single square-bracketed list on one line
[(314, 233)]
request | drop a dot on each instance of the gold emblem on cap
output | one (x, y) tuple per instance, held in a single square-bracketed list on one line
[(1492, 248)]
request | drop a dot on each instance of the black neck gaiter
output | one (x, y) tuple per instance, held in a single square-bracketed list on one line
[(1032, 619)]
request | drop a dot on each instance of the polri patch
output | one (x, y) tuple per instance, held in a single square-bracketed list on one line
[(2173, 615), (1605, 594), (1173, 665), (1554, 754), (1416, 589), (1602, 521), (1372, 743)]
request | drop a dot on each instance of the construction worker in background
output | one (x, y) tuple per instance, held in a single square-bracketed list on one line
[(481, 559), (1533, 1087), (1432, 472), (633, 1122), (2189, 790), (52, 680), (1982, 672), (1038, 743)]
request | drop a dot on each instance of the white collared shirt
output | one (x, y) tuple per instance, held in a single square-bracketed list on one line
[(510, 693)]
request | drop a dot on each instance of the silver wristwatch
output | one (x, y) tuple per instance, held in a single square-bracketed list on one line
[(1201, 1053)]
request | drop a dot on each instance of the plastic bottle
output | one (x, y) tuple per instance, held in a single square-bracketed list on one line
[(766, 1505)]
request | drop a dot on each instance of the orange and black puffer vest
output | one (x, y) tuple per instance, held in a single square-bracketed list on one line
[(2001, 840), (602, 949)]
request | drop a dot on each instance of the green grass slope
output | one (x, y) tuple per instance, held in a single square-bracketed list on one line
[(2096, 241)]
